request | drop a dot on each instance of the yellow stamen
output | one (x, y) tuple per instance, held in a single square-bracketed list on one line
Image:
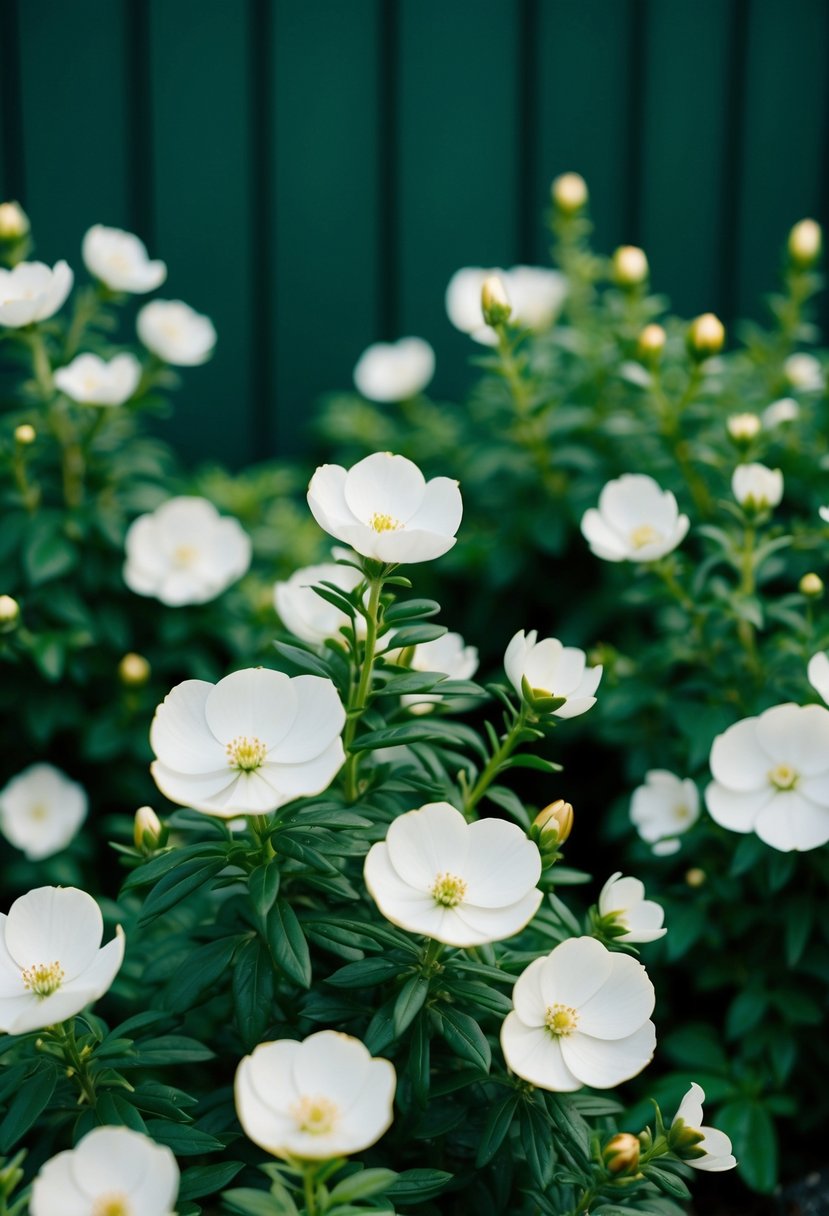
[(448, 890), (114, 1204), (561, 1020), (784, 777), (185, 555), (317, 1116), (39, 811), (43, 979), (384, 523), (645, 534), (246, 754)]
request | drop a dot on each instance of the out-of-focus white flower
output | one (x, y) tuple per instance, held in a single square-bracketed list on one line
[(32, 292), (771, 776), (395, 371), (307, 615), (449, 655), (324, 1097), (651, 343), (535, 294), (119, 259), (184, 552), (176, 333), (817, 672), (803, 371), (459, 883), (636, 521), (52, 963), (552, 670), (91, 380), (25, 434), (784, 410), (569, 192), (743, 427), (112, 1171), (384, 508), (756, 487), (41, 810), (629, 265), (713, 1144), (805, 243), (622, 900), (9, 611), (248, 744), (463, 302), (706, 336), (663, 808), (581, 1017), (14, 222)]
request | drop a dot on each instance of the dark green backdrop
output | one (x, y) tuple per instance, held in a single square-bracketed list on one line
[(314, 170)]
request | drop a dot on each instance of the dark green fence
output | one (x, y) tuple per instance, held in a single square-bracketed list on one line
[(314, 170)]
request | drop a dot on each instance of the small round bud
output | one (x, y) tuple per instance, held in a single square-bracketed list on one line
[(621, 1153), (651, 343), (133, 670), (706, 336), (811, 585), (25, 434), (569, 193), (9, 611), (554, 824), (805, 243), (629, 266), (696, 877), (147, 829), (14, 222), (744, 427), (494, 301)]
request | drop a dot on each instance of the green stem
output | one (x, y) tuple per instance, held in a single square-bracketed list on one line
[(64, 1035), (491, 768), (670, 415), (86, 305), (309, 1188), (358, 702), (745, 629), (29, 494), (41, 366), (73, 464), (261, 827), (511, 372)]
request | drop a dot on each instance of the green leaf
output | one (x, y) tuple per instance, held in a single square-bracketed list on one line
[(744, 1012), (305, 660), (417, 1186), (416, 635), (48, 553), (669, 1183), (149, 873), (184, 1139), (564, 914), (115, 1109), (361, 1185), (497, 1125), (171, 1049), (409, 1002), (398, 736), (288, 945), (537, 1143), (28, 1103), (247, 1202), (206, 1179), (263, 887), (420, 1059), (200, 971), (253, 990), (177, 885), (409, 682), (366, 973), (527, 760), (465, 1037), (409, 610)]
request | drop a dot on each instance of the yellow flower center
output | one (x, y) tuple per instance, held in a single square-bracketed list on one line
[(448, 890), (43, 979), (317, 1116), (39, 811), (113, 1204), (784, 777), (246, 754), (682, 812), (561, 1020), (645, 534), (384, 523), (185, 555)]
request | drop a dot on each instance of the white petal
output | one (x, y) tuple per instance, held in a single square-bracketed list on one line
[(575, 971), (326, 498), (441, 509), (309, 777), (98, 976), (255, 703), (427, 842), (331, 1065), (495, 924), (542, 663), (199, 790), (739, 758), (384, 484), (52, 924), (736, 811), (690, 1108), (515, 657), (625, 1000), (502, 865), (603, 1063), (634, 500), (410, 545), (180, 736), (264, 1092), (790, 821), (797, 735), (54, 1191), (604, 540), (818, 673), (533, 1054), (109, 1159), (319, 719), (620, 894)]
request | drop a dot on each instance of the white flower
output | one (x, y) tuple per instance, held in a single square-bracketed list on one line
[(623, 899), (112, 1171), (463, 302), (324, 1097), (663, 808), (14, 222), (552, 670), (784, 410), (817, 672), (805, 372), (636, 521), (757, 487), (581, 1017), (176, 333), (51, 960), (395, 371), (535, 293), (307, 615), (714, 1144), (459, 883), (120, 260), (449, 655), (41, 810), (771, 776), (32, 292), (248, 744), (184, 552), (384, 508), (94, 381), (743, 427)]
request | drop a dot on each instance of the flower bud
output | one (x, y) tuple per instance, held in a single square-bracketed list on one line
[(553, 825), (9, 612), (756, 487), (14, 222), (706, 336), (695, 877), (651, 343), (494, 302), (805, 243), (133, 670), (811, 585), (621, 1153), (569, 193), (629, 266), (744, 427), (685, 1141), (147, 829), (25, 434)]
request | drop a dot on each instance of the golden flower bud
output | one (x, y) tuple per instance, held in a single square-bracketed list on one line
[(629, 266), (569, 193), (25, 434), (744, 427), (9, 611), (133, 670), (696, 877), (811, 584), (706, 336), (147, 829), (621, 1153), (651, 343), (556, 818), (805, 243), (494, 301), (14, 222)]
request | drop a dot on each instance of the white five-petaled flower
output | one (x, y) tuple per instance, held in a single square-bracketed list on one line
[(385, 509), (308, 615), (757, 487), (460, 883), (804, 372), (112, 1171), (52, 963), (552, 670), (395, 371), (119, 259), (248, 744), (184, 552), (817, 671), (174, 332), (663, 808), (771, 776), (324, 1097), (715, 1145), (32, 292), (535, 294), (636, 521), (90, 380), (581, 1017), (449, 655), (41, 810), (622, 900)]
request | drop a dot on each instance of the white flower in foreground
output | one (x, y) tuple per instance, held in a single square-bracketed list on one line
[(176, 333), (307, 615), (324, 1097), (771, 776), (663, 808), (622, 901), (184, 552), (91, 380), (805, 372), (385, 509), (52, 963), (32, 292), (581, 1017), (460, 883), (756, 487), (535, 294), (248, 744), (784, 410), (714, 1145), (552, 670), (41, 810), (395, 371), (449, 655), (636, 521), (119, 259), (112, 1171), (817, 672)]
